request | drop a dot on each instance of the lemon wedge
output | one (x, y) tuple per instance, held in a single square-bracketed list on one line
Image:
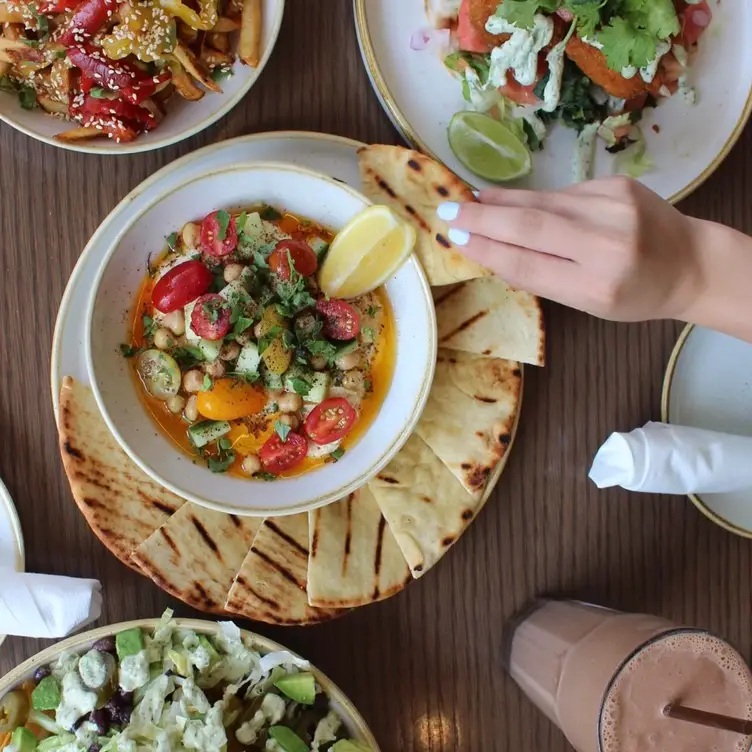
[(366, 253)]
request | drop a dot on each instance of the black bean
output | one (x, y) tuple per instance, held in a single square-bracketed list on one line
[(105, 645), (102, 720), (41, 673)]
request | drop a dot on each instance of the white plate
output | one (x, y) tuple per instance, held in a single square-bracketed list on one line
[(184, 119), (12, 555), (420, 97), (708, 384)]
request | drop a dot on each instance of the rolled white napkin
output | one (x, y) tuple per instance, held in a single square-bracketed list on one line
[(41, 605), (661, 458)]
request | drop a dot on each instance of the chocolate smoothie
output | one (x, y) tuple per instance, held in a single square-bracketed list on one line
[(604, 678)]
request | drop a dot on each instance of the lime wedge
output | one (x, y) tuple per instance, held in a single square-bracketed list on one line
[(488, 148)]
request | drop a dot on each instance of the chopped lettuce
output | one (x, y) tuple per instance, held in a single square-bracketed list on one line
[(635, 160)]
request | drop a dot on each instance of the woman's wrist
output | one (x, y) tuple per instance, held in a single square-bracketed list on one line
[(723, 298)]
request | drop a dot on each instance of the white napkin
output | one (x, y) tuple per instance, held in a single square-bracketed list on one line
[(661, 458), (41, 605)]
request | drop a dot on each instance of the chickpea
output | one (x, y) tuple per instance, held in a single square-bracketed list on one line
[(193, 380), (163, 339), (274, 396), (318, 362), (258, 331), (190, 413), (244, 339), (289, 419), (216, 369), (233, 272), (251, 464), (191, 234), (348, 362), (176, 404), (353, 380), (230, 351), (175, 322), (290, 402)]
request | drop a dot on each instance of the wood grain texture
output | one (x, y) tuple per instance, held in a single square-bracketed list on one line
[(424, 667)]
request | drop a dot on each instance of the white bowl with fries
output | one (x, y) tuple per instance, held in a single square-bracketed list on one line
[(209, 72)]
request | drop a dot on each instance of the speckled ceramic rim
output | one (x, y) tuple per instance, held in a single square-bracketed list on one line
[(353, 720), (409, 133), (135, 147), (330, 496), (7, 502), (668, 380)]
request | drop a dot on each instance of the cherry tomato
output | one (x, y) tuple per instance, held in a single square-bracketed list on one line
[(182, 284), (695, 20), (211, 243), (341, 320), (277, 455), (330, 421), (303, 259), (211, 317)]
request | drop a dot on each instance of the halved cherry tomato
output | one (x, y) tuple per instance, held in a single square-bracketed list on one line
[(277, 455), (330, 421), (695, 20), (341, 320), (211, 242), (182, 284), (211, 317), (303, 259)]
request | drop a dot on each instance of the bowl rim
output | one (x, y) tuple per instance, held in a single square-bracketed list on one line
[(109, 148), (322, 499), (202, 626)]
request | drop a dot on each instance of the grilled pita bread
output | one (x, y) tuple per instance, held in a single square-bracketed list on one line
[(122, 505), (196, 554), (426, 507), (414, 186), (354, 558), (271, 583), (477, 393), (488, 317), (442, 13)]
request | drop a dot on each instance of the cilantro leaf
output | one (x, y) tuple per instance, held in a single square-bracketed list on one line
[(282, 430), (589, 15), (522, 12), (657, 17), (626, 45), (223, 222)]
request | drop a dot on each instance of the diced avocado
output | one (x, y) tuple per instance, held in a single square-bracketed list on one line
[(46, 695), (249, 360), (129, 642), (347, 745), (287, 739), (180, 661), (23, 740), (319, 246), (319, 388), (205, 643), (272, 381), (298, 687), (210, 348), (206, 431), (347, 348)]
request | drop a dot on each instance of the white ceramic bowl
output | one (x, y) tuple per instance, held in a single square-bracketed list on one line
[(81, 643), (306, 194), (184, 119)]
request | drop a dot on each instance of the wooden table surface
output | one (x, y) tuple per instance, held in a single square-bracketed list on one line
[(424, 667)]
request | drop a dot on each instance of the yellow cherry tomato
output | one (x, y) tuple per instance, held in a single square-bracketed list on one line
[(229, 399)]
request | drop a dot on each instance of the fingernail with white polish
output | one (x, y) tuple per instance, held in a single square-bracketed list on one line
[(448, 211), (459, 237)]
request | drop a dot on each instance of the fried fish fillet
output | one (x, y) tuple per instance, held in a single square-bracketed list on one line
[(479, 12)]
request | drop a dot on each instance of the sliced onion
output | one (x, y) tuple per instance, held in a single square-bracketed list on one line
[(420, 40), (432, 40)]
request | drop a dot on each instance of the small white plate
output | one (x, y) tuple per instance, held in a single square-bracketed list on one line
[(184, 118), (708, 384), (12, 554), (421, 97)]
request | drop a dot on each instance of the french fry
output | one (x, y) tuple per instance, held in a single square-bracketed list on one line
[(9, 16), (218, 41), (213, 58), (191, 64), (184, 83), (48, 104), (79, 134), (225, 25), (15, 51), (249, 47), (187, 34)]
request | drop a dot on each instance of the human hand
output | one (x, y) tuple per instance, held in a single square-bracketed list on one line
[(610, 247)]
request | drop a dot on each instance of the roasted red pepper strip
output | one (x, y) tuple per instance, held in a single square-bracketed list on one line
[(113, 75), (146, 88), (88, 18), (59, 6), (106, 108), (87, 83)]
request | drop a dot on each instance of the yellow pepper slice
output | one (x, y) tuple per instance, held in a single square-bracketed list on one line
[(145, 30), (204, 20)]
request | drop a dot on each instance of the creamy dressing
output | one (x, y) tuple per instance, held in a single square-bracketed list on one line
[(584, 153), (482, 98), (649, 72), (134, 671), (519, 54)]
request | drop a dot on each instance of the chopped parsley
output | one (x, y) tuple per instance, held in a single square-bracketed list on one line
[(337, 454), (323, 349), (373, 310), (265, 476), (223, 461), (172, 238), (300, 386), (128, 351), (150, 326), (367, 385), (270, 214), (187, 356), (282, 430)]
